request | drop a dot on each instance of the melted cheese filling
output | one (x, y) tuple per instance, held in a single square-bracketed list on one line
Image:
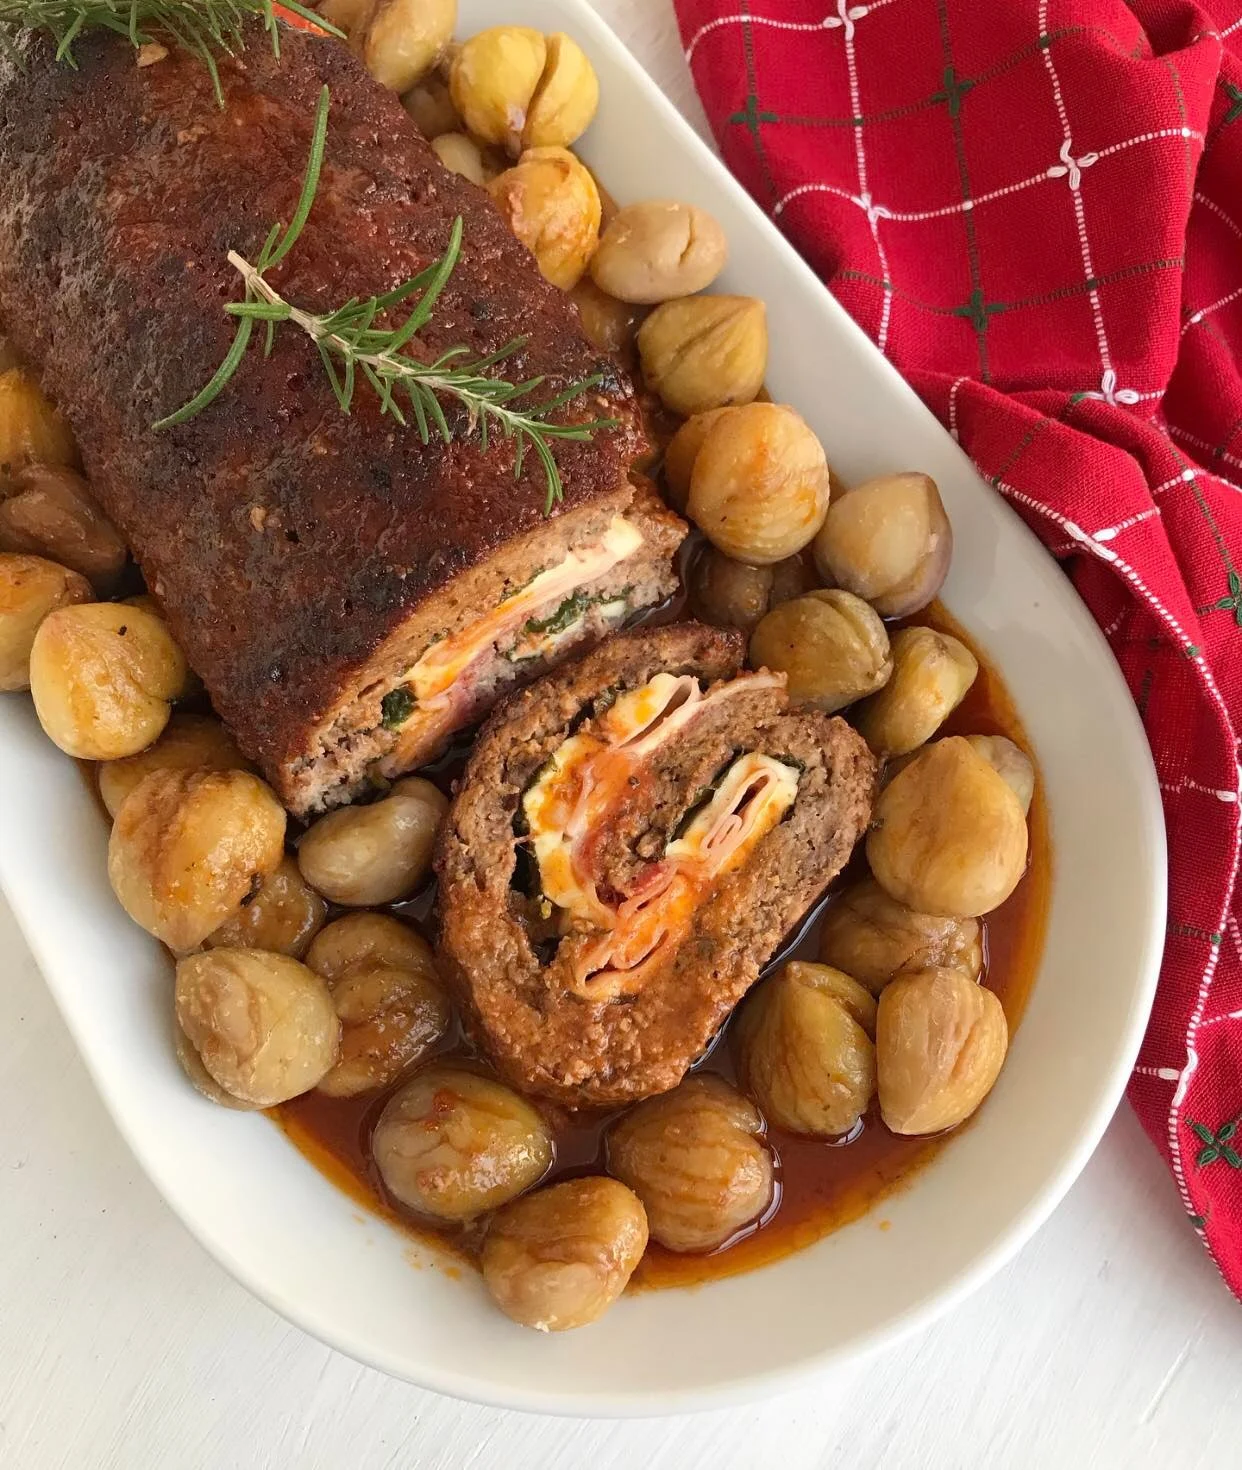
[(569, 806), (440, 681), (444, 662)]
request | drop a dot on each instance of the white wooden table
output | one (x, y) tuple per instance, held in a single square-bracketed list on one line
[(1109, 1342)]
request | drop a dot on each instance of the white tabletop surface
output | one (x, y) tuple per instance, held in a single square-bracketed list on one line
[(1109, 1342)]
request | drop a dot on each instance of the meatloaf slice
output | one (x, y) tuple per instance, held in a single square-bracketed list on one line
[(632, 838), (348, 594)]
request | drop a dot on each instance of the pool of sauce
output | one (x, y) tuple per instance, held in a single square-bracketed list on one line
[(820, 1185)]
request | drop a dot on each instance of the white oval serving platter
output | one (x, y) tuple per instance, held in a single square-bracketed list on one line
[(307, 1250)]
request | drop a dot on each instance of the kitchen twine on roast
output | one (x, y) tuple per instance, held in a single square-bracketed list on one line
[(1034, 207)]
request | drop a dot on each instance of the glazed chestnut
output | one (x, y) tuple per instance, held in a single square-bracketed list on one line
[(30, 589), (262, 1024), (518, 88), (566, 98), (704, 352), (401, 40), (390, 1018), (188, 846), (609, 324), (695, 1158), (682, 451), (363, 855), (940, 1044), (358, 939), (343, 14), (50, 513), (431, 107), (32, 429), (1011, 762), (552, 205), (103, 676), (282, 918), (729, 593), (189, 743), (733, 594), (560, 1257), (805, 1050), (889, 541), (872, 937), (932, 674), (948, 836), (759, 487), (461, 154), (829, 643), (454, 1144), (200, 1078), (659, 250)]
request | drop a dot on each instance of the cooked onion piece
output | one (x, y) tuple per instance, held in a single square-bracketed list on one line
[(262, 1024), (188, 846), (560, 1257), (696, 1160), (454, 1144)]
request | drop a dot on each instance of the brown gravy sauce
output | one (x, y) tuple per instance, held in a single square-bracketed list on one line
[(820, 1185)]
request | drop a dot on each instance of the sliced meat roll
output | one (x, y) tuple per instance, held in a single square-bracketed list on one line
[(633, 837)]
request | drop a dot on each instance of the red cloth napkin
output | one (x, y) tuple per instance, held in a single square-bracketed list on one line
[(1035, 209)]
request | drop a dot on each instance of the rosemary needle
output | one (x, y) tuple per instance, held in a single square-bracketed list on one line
[(351, 346), (205, 28)]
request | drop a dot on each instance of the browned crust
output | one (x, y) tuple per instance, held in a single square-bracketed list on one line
[(585, 1053), (284, 540)]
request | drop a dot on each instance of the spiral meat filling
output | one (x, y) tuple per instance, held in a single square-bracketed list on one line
[(632, 839)]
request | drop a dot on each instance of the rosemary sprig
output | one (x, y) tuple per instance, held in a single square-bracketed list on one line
[(351, 346), (206, 28)]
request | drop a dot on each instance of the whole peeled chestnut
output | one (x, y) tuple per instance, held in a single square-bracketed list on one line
[(948, 835), (889, 541)]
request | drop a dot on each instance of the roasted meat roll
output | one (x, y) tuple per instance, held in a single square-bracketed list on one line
[(349, 595), (633, 837)]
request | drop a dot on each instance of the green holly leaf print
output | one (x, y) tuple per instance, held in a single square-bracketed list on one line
[(1216, 1145)]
